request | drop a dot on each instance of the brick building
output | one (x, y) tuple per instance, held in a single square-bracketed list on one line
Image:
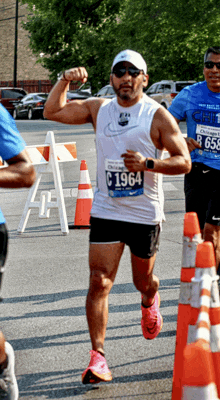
[(27, 68)]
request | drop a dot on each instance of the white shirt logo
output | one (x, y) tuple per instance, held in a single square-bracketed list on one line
[(215, 218)]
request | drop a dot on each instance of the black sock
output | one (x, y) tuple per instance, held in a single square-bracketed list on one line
[(146, 306)]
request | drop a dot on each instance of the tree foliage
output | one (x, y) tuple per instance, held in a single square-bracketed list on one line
[(172, 36), (68, 33)]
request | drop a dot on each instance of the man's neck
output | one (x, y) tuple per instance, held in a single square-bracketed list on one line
[(129, 103)]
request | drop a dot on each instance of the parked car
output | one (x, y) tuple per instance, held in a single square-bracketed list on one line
[(9, 96), (31, 106), (107, 92), (165, 91), (82, 93)]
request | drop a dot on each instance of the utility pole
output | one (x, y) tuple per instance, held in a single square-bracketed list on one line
[(16, 45)]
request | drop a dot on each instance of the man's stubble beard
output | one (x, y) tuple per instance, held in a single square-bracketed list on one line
[(123, 96), (127, 96)]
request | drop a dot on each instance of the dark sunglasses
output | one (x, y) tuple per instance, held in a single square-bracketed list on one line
[(210, 64), (119, 72)]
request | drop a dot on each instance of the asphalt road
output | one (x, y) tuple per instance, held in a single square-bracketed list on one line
[(45, 286)]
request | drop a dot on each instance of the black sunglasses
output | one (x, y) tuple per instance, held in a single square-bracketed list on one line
[(119, 72), (210, 64)]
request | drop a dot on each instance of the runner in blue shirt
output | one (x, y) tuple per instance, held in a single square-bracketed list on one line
[(200, 105), (19, 173)]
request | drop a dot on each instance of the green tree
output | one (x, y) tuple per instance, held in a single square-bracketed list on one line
[(65, 34), (172, 36)]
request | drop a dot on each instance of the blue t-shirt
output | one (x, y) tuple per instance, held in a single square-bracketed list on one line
[(201, 108), (11, 142)]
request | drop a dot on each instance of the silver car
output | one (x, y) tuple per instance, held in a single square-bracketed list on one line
[(107, 92), (165, 91)]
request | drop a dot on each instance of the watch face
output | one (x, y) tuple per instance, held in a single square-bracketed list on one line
[(150, 164), (60, 76)]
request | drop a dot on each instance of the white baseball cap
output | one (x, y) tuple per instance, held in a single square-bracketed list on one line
[(131, 56)]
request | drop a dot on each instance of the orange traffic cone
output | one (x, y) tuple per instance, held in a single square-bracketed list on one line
[(198, 373), (191, 239), (215, 343), (205, 260), (205, 265), (205, 271), (84, 199), (198, 369)]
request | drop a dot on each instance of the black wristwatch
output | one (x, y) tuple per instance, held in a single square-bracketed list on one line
[(149, 163)]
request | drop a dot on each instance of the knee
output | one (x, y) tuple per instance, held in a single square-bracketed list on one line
[(211, 234), (100, 282)]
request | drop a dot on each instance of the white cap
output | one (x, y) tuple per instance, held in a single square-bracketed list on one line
[(131, 56)]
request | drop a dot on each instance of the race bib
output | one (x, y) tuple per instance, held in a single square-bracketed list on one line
[(209, 138), (121, 182)]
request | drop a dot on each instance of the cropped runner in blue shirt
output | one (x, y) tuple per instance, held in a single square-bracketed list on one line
[(18, 173), (200, 105)]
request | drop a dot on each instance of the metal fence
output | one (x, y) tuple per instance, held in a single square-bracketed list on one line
[(35, 86)]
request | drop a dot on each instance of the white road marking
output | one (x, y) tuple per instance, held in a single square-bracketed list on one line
[(168, 186)]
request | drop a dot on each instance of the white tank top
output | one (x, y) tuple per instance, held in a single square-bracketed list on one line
[(120, 194)]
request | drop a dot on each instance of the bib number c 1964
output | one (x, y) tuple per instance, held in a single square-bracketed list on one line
[(121, 182)]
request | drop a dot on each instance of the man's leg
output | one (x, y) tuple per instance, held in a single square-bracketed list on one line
[(8, 382), (211, 233), (3, 251), (103, 260), (148, 283), (3, 255), (144, 280)]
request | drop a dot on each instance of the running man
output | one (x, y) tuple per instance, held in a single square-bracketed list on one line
[(19, 173), (131, 132), (199, 104)]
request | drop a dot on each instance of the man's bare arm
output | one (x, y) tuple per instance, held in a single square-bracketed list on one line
[(75, 112), (165, 134), (19, 173)]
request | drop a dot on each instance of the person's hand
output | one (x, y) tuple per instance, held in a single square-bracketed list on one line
[(192, 144), (76, 74), (134, 161)]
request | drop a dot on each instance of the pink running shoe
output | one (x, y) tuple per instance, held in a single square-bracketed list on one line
[(152, 320), (97, 370)]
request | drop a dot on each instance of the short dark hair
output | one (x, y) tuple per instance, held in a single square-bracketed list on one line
[(214, 49)]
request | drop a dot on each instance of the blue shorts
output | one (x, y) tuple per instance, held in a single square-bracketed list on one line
[(142, 239)]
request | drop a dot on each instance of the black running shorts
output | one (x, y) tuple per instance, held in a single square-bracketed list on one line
[(143, 240), (3, 244), (202, 193)]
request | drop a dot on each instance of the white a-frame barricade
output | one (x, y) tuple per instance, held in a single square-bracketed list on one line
[(46, 158)]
